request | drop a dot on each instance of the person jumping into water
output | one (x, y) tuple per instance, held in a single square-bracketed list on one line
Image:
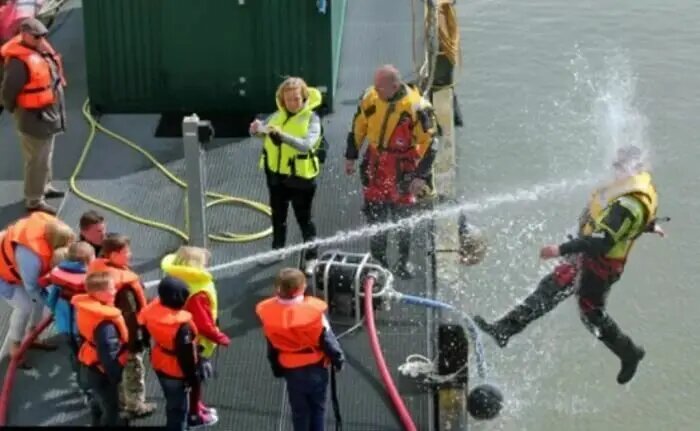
[(615, 217)]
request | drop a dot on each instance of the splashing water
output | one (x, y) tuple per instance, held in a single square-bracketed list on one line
[(602, 108), (532, 194), (616, 117)]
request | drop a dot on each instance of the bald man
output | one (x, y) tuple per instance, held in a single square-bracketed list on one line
[(400, 129)]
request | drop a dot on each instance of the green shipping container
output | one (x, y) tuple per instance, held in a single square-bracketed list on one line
[(228, 56)]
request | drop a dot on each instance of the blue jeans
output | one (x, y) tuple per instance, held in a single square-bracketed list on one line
[(307, 388), (175, 393)]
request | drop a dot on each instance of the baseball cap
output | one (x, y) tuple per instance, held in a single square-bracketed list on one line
[(34, 27)]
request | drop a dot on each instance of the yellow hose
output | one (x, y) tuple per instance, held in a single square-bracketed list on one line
[(218, 198)]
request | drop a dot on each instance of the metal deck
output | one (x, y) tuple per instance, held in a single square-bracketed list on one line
[(245, 392)]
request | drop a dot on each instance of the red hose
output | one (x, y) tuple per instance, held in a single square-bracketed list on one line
[(12, 367), (388, 381)]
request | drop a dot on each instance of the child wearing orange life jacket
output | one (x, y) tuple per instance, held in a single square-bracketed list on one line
[(130, 299), (102, 354), (188, 264), (174, 352), (301, 347), (67, 279)]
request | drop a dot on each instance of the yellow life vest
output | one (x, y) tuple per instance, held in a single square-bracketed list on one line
[(284, 159), (638, 195), (383, 117), (197, 280)]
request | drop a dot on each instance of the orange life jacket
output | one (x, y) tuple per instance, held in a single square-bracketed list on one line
[(294, 330), (89, 314), (29, 232), (71, 283), (163, 323), (41, 90), (123, 279)]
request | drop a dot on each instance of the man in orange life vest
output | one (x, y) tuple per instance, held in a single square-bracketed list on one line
[(400, 128), (102, 355), (130, 299), (174, 353), (301, 345), (32, 90)]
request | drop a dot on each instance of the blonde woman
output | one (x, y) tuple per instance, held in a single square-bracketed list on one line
[(292, 154), (189, 265), (28, 247)]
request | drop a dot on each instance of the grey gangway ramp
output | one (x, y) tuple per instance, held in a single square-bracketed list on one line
[(245, 393)]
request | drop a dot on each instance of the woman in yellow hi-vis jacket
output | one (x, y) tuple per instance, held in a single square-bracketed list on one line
[(292, 154)]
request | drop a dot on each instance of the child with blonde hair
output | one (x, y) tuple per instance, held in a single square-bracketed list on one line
[(66, 280), (189, 265)]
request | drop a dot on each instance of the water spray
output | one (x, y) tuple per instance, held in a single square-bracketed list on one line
[(473, 206)]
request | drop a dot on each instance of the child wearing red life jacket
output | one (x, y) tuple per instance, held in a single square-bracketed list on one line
[(189, 265), (66, 280)]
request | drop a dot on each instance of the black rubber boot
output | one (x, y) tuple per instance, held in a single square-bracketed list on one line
[(495, 330), (624, 348), (605, 328), (512, 323), (547, 296), (629, 363)]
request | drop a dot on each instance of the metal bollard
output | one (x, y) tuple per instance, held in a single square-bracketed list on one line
[(452, 396), (195, 133)]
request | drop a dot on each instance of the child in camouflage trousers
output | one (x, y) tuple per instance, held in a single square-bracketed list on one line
[(130, 299)]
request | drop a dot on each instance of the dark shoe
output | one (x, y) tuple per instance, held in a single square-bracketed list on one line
[(23, 365), (629, 364), (494, 330), (54, 194), (43, 345), (43, 207), (404, 270)]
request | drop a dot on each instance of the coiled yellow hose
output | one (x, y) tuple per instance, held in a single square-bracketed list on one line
[(217, 198)]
